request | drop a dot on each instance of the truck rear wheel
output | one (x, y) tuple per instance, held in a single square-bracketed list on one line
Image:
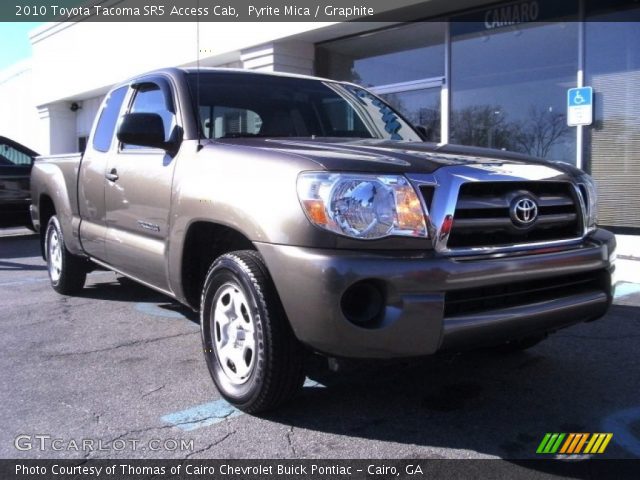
[(253, 357), (67, 272)]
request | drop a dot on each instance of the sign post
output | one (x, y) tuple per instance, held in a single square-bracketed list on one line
[(579, 106)]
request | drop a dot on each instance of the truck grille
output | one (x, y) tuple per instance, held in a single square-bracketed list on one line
[(495, 297), (484, 214)]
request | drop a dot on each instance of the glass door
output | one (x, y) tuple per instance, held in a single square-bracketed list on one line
[(404, 64), (420, 104)]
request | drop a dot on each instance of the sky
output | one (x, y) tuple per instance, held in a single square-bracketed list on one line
[(14, 42)]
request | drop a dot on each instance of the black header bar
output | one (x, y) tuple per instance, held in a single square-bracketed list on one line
[(481, 11), (292, 469)]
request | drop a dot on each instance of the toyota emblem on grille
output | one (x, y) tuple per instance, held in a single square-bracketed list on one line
[(524, 211)]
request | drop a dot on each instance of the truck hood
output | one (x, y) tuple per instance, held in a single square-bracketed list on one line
[(389, 156)]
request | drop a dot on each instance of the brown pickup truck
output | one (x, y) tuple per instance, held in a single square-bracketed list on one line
[(300, 214)]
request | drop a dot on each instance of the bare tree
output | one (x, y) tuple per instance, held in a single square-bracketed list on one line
[(429, 118), (489, 126), (482, 125), (540, 132)]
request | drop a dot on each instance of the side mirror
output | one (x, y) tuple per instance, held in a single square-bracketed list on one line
[(144, 129)]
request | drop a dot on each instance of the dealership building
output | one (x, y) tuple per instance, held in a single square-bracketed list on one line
[(470, 72)]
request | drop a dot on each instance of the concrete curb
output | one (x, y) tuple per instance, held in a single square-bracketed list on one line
[(628, 247)]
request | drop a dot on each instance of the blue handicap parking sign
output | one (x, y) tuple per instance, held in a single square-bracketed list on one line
[(580, 97), (579, 106)]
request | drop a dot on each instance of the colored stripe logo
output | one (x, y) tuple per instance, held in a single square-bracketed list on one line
[(574, 443)]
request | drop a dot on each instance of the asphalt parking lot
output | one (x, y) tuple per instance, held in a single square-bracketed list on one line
[(121, 366)]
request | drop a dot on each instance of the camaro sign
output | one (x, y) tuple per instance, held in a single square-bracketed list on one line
[(512, 14)]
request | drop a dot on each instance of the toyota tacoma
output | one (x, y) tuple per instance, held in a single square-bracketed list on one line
[(300, 214)]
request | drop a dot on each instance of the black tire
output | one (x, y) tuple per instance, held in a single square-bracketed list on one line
[(277, 371), (72, 273), (521, 344)]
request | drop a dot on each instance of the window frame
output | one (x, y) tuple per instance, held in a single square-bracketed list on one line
[(92, 140), (169, 92)]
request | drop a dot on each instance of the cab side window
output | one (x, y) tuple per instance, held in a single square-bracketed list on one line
[(149, 98), (10, 157)]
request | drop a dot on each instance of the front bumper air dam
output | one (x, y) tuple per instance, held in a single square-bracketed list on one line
[(311, 283)]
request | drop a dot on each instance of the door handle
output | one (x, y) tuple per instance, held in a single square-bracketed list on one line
[(112, 176)]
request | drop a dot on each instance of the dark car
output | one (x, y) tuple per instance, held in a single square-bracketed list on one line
[(16, 162)]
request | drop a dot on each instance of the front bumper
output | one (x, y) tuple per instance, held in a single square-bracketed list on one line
[(416, 319)]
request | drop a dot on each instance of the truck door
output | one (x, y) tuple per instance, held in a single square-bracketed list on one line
[(138, 194), (91, 180)]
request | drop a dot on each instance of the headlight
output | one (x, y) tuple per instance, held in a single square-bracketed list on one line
[(362, 206), (589, 189)]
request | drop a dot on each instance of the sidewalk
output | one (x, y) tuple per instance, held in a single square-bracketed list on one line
[(628, 261)]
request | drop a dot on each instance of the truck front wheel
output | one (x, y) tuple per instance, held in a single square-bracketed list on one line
[(255, 360), (67, 272)]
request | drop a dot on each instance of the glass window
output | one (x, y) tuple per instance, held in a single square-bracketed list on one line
[(218, 121), (421, 107), (107, 124), (509, 87), (11, 157), (344, 120), (254, 105), (400, 54), (150, 99), (612, 68)]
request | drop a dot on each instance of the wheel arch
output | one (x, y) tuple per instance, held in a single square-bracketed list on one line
[(54, 183), (203, 242)]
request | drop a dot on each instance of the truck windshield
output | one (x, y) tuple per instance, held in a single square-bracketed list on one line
[(233, 104)]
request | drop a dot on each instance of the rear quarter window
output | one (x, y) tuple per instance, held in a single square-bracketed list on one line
[(11, 157), (108, 117)]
